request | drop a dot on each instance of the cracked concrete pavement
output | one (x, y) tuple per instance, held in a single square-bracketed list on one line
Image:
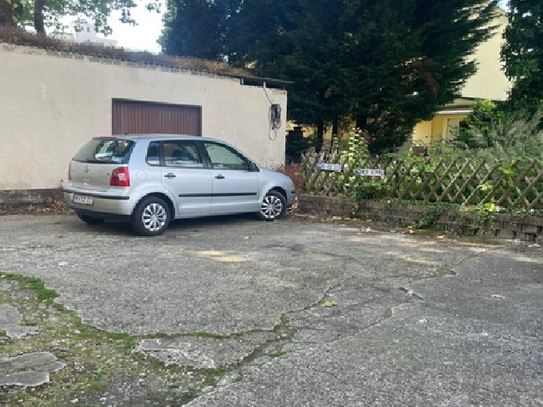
[(309, 313)]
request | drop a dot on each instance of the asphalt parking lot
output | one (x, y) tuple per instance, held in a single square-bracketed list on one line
[(352, 316)]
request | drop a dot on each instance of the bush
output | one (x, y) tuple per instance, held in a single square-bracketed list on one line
[(475, 130), (295, 146), (489, 134)]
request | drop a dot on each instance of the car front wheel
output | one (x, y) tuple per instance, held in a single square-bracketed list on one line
[(274, 206), (151, 217)]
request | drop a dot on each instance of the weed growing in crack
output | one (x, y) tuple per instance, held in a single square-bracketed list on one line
[(98, 363), (277, 354)]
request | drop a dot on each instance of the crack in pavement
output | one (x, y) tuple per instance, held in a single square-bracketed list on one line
[(285, 332)]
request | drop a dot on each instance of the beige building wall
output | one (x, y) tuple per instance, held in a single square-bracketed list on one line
[(422, 134), (441, 127), (489, 82), (52, 103)]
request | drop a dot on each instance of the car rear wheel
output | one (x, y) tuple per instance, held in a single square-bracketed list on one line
[(151, 217), (274, 206), (89, 219)]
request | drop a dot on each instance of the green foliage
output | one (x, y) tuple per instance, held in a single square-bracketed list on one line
[(432, 215), (295, 146), (484, 117), (43, 294), (370, 190), (388, 63), (362, 188), (277, 354), (523, 54), (41, 14), (10, 12), (484, 219), (485, 216), (329, 303), (194, 28), (512, 137), (30, 321), (357, 145)]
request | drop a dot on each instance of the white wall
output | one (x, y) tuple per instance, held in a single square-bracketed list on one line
[(52, 103)]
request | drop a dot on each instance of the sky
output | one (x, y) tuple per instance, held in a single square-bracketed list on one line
[(144, 36)]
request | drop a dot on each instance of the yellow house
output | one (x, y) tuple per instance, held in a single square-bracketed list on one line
[(489, 82)]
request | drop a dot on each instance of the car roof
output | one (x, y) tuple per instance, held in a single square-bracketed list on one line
[(158, 137)]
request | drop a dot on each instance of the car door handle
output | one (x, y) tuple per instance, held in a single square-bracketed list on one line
[(220, 176), (170, 175)]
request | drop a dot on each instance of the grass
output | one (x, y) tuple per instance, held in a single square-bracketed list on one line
[(98, 363), (277, 354), (35, 284)]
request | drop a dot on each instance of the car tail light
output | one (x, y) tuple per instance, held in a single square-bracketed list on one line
[(70, 171), (120, 177)]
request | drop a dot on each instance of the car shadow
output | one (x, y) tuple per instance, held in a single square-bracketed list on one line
[(116, 227)]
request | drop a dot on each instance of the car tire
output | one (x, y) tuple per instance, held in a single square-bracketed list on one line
[(273, 206), (151, 217), (89, 220)]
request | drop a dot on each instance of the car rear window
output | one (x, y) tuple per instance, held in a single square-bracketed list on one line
[(105, 151)]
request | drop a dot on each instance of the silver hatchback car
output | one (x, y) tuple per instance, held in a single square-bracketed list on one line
[(149, 180)]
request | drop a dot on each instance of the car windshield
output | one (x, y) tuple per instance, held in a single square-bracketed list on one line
[(105, 151)]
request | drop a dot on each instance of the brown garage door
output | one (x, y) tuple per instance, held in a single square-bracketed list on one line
[(133, 117)]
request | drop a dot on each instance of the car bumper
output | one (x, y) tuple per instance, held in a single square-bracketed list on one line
[(99, 204)]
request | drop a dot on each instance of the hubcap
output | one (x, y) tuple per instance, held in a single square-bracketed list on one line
[(271, 207), (154, 217)]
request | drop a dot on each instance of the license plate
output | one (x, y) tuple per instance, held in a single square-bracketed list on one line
[(83, 200)]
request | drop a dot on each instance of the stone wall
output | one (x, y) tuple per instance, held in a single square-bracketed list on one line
[(499, 225), (29, 197), (326, 206)]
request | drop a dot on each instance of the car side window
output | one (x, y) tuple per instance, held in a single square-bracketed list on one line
[(153, 156), (182, 154), (225, 158)]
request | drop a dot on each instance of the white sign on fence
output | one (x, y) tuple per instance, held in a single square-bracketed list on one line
[(329, 167), (370, 172)]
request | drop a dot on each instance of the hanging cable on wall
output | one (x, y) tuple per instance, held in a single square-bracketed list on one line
[(274, 116)]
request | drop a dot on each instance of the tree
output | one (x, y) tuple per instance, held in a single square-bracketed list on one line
[(198, 28), (475, 129), (419, 62), (10, 12), (192, 29), (300, 41), (523, 53), (49, 13), (386, 63)]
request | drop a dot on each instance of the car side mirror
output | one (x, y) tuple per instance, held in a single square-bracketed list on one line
[(253, 167)]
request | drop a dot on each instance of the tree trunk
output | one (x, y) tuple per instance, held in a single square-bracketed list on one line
[(319, 137), (361, 122), (6, 14), (39, 23)]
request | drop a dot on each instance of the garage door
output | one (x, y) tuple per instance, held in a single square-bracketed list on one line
[(134, 117)]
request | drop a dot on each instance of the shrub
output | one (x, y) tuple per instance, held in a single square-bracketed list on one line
[(474, 131), (502, 138), (295, 146)]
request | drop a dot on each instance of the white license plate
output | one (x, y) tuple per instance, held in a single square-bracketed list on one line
[(83, 200)]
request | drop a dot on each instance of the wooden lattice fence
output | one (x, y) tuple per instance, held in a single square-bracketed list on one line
[(465, 181)]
